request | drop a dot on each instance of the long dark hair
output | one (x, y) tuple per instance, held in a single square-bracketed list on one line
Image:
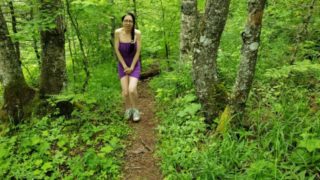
[(132, 30)]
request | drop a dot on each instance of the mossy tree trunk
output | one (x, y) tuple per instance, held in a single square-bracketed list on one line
[(189, 24), (248, 60), (205, 75), (53, 63), (17, 94)]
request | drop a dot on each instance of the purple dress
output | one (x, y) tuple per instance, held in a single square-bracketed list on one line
[(124, 49)]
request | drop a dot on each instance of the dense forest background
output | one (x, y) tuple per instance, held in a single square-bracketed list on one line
[(74, 129)]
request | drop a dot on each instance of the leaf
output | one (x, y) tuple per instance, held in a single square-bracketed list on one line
[(38, 162), (36, 172), (46, 166), (107, 149), (62, 141), (189, 98), (35, 140), (310, 144), (45, 133), (44, 147), (4, 152), (190, 110), (300, 156)]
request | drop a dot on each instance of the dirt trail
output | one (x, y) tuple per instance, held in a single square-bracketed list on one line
[(140, 163)]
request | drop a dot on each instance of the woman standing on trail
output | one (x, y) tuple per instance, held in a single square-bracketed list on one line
[(127, 47)]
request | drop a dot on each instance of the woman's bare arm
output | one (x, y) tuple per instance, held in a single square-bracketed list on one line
[(137, 55), (116, 49)]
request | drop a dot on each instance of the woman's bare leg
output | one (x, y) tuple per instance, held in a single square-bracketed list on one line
[(125, 91), (133, 93)]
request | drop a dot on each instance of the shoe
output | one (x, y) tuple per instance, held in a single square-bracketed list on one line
[(128, 114), (136, 115)]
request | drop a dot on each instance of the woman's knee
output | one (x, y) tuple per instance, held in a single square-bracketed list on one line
[(125, 93), (132, 90)]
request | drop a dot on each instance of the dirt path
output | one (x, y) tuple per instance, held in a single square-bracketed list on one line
[(140, 163)]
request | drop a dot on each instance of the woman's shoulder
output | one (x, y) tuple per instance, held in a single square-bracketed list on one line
[(118, 30), (138, 32)]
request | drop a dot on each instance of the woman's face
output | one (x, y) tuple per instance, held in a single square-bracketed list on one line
[(127, 22)]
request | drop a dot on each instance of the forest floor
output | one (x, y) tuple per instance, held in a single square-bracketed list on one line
[(140, 161)]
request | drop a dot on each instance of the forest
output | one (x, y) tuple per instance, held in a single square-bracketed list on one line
[(228, 90)]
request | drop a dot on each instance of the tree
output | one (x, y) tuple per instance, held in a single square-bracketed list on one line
[(205, 75), (189, 22), (85, 60), (249, 54), (17, 94), (53, 66)]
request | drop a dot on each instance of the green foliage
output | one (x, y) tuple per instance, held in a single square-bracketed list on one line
[(88, 145), (282, 142)]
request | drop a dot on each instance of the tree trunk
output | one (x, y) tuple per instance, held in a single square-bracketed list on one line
[(35, 41), (135, 13), (209, 91), (53, 67), (113, 28), (249, 54), (17, 93), (189, 23), (14, 28), (85, 60), (164, 34)]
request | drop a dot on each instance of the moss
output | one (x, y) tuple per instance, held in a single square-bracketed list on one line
[(224, 120), (17, 96)]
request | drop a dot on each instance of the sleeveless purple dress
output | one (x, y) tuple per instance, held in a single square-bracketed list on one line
[(124, 49)]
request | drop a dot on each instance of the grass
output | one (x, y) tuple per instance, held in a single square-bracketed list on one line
[(281, 143)]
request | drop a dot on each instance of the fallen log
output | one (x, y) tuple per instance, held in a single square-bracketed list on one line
[(150, 73)]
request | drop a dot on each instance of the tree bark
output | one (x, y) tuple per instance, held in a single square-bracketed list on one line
[(53, 67), (249, 54), (14, 28), (17, 94), (208, 88), (189, 23)]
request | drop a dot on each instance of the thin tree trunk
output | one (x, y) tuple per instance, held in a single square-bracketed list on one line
[(17, 94), (135, 12), (36, 51), (208, 89), (113, 28), (72, 60), (85, 58), (166, 45), (53, 67), (303, 31), (189, 23), (35, 42), (249, 54), (14, 28)]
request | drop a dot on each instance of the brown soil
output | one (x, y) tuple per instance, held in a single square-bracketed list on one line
[(140, 161)]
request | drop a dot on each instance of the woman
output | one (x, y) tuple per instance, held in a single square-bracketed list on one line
[(127, 47)]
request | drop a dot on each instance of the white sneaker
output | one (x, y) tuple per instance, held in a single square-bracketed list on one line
[(128, 114), (136, 115)]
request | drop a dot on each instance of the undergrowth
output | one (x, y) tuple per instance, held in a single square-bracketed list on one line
[(283, 141), (89, 145)]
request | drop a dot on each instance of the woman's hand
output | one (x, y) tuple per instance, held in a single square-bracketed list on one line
[(128, 70)]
